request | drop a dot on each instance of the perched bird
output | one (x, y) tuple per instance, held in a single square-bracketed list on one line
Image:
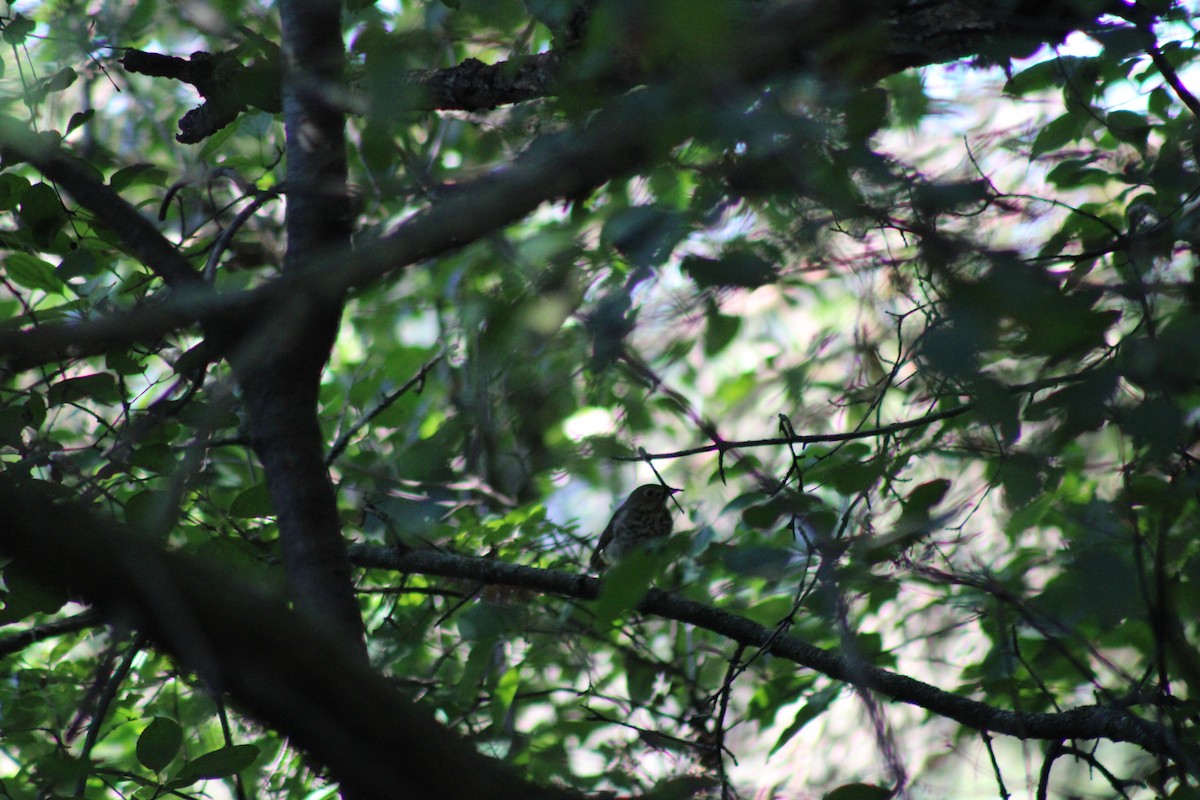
[(642, 518)]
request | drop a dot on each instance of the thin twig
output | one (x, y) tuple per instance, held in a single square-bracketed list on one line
[(222, 243), (865, 433), (1172, 78), (987, 742), (417, 380)]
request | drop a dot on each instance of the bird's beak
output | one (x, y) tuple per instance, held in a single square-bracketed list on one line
[(673, 491)]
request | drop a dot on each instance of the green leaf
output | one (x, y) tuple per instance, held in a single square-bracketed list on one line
[(78, 119), (923, 498), (1000, 407), (100, 386), (484, 622), (16, 29), (735, 268), (138, 173), (12, 188), (26, 596), (909, 100), (78, 263), (640, 677), (59, 81), (32, 272), (758, 562), (936, 198), (866, 113), (719, 330), (625, 584), (253, 502), (1129, 126), (645, 235), (1039, 77), (145, 511), (217, 764), (1157, 424), (481, 659), (158, 743), (815, 705), (42, 211), (1066, 129)]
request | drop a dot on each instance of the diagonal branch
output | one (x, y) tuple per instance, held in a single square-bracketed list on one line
[(626, 136), (1086, 722), (143, 240), (918, 32), (288, 671)]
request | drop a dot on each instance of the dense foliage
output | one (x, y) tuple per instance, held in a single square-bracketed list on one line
[(902, 296)]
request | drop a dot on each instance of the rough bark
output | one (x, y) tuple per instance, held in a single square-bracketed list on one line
[(910, 33)]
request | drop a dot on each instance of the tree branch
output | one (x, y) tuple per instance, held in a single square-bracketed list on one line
[(622, 138), (278, 363), (1087, 722), (916, 33), (37, 633), (843, 436), (288, 671), (142, 238)]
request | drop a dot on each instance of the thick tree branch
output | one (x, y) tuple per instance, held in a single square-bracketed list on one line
[(290, 672), (624, 137), (279, 363), (1088, 722), (916, 33)]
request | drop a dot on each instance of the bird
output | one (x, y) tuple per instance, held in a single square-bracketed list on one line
[(642, 518)]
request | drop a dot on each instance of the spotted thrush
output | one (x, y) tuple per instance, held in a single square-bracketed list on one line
[(642, 518)]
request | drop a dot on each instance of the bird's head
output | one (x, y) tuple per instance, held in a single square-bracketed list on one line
[(651, 495)]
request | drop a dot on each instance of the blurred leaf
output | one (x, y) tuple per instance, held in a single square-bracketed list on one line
[(640, 677), (137, 174), (252, 502), (16, 29), (735, 268), (1060, 132), (865, 113), (1157, 424), (859, 791), (24, 596), (815, 705), (99, 386), (758, 562), (645, 235), (625, 584), (32, 273)]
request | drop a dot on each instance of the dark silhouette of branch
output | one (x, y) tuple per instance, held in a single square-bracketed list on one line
[(910, 33), (288, 671), (228, 86), (1172, 78), (631, 133), (278, 362), (1087, 722), (38, 633), (863, 433), (139, 235)]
